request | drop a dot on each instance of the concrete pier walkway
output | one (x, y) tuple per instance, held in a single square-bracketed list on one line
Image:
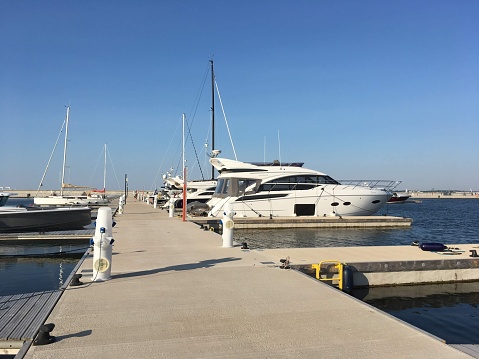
[(176, 293)]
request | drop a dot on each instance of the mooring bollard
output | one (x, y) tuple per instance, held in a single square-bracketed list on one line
[(102, 245), (228, 226), (155, 201), (121, 203), (172, 208)]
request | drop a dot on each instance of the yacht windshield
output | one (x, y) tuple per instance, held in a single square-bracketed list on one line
[(235, 187), (221, 187)]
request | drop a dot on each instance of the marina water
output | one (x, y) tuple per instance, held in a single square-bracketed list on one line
[(36, 265), (449, 311)]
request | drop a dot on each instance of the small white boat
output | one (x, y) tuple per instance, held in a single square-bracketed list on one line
[(282, 190), (71, 200)]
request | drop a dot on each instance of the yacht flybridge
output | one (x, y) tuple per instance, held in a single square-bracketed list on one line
[(282, 190)]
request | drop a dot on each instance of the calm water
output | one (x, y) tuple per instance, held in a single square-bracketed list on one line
[(449, 311), (449, 221), (31, 266)]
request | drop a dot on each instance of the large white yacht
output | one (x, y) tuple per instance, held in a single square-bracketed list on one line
[(282, 190)]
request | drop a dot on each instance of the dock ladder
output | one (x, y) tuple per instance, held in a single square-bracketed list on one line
[(339, 274)]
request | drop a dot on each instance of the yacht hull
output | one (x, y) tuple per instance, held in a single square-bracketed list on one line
[(288, 190), (69, 200), (38, 219), (299, 203)]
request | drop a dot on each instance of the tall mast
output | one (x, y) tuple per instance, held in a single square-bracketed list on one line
[(212, 115), (65, 151), (184, 172), (104, 173)]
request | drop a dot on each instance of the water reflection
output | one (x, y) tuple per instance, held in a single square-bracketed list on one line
[(448, 311), (450, 221), (34, 266)]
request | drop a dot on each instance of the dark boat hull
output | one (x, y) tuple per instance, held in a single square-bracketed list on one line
[(40, 220), (398, 199)]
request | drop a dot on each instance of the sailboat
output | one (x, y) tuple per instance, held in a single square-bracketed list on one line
[(68, 200)]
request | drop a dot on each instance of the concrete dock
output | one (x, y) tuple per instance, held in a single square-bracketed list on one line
[(309, 222), (175, 292)]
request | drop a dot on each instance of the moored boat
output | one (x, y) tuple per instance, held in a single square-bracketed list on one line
[(282, 190), (36, 219), (399, 197), (197, 191), (33, 219)]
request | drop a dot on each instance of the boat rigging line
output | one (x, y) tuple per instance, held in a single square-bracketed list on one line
[(226, 121), (105, 152), (164, 158), (50, 159)]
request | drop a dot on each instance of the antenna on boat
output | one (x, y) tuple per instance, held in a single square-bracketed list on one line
[(264, 150), (214, 153), (279, 149)]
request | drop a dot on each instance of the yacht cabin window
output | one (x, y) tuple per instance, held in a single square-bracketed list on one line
[(290, 183)]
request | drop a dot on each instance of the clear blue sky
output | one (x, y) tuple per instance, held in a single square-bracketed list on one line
[(355, 89)]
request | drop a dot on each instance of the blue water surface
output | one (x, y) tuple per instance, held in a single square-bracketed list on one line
[(449, 221)]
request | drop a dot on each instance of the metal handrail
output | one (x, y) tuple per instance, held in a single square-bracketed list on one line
[(337, 265), (387, 185)]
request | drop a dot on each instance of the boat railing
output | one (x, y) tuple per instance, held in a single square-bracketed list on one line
[(387, 185)]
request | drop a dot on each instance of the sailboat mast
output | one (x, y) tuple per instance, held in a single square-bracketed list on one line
[(184, 172), (65, 150), (212, 115), (104, 173)]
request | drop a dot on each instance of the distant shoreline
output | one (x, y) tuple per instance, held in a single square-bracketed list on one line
[(33, 193), (426, 195)]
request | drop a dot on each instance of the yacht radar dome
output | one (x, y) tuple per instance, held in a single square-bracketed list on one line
[(215, 153)]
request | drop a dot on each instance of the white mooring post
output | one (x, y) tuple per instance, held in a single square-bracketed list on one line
[(121, 203), (228, 226), (102, 245), (172, 208)]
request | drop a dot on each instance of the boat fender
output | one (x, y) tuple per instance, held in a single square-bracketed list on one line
[(348, 281), (434, 247)]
